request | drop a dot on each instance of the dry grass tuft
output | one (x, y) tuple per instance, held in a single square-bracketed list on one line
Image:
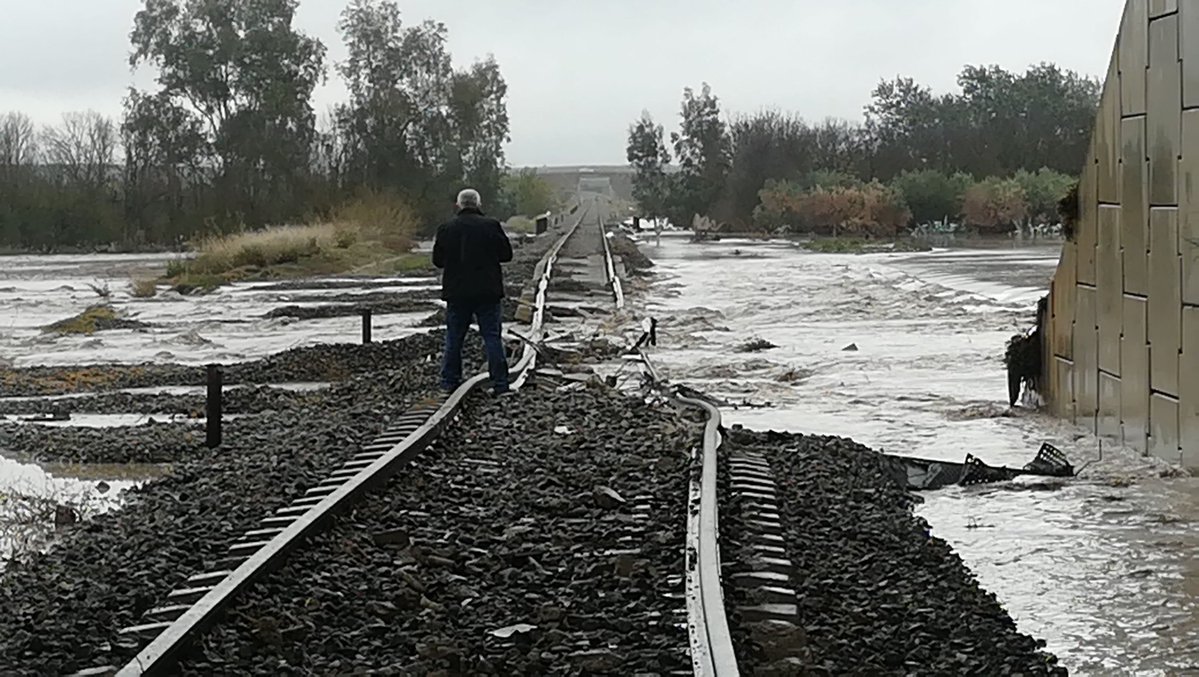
[(372, 227), (143, 289)]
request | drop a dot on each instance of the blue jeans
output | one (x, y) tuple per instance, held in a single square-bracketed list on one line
[(458, 315)]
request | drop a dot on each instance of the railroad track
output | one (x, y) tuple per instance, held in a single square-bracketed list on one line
[(169, 630)]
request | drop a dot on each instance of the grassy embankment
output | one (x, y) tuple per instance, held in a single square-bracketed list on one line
[(368, 236)]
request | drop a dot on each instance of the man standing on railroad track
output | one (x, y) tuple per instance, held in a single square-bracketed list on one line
[(469, 249)]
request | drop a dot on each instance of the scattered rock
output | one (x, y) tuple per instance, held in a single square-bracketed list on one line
[(393, 537), (607, 498), (518, 629), (851, 348), (755, 346)]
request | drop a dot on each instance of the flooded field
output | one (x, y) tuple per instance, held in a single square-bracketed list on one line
[(228, 325), (903, 352)]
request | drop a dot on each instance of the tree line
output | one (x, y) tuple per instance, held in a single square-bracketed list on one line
[(996, 155), (229, 137)]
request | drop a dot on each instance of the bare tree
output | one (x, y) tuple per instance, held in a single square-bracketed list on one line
[(83, 148), (18, 142)]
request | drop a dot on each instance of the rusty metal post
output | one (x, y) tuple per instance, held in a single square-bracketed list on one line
[(212, 425)]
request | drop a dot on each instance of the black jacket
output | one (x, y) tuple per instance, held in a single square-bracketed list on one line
[(470, 249)]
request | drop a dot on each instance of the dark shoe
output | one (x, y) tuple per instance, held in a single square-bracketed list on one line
[(449, 389)]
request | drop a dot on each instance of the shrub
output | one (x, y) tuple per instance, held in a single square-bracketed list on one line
[(995, 205), (378, 216), (143, 288), (871, 210)]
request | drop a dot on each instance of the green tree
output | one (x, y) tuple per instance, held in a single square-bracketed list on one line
[(1043, 191), (530, 194), (648, 155), (932, 196), (703, 150), (243, 69), (412, 122), (165, 179)]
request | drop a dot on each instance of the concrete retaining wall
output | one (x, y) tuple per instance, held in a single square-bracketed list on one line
[(1123, 348)]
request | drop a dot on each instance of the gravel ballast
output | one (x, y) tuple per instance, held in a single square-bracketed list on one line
[(877, 593), (63, 608), (542, 534)]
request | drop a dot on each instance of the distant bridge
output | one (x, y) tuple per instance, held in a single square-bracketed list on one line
[(614, 181)]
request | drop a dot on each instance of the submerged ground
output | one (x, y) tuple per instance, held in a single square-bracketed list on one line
[(1100, 567)]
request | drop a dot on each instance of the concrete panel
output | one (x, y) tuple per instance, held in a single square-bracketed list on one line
[(1063, 401), (1061, 304), (1086, 236), (1164, 117), (1109, 309), (1086, 359), (1188, 44), (1134, 56), (1134, 370), (1135, 206), (1188, 189), (1165, 302), (1163, 428), (1160, 7), (1107, 136), (1188, 405), (1108, 418)]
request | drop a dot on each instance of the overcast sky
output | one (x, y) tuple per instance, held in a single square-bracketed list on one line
[(579, 72)]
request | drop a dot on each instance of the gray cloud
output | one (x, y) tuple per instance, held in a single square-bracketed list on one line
[(580, 72)]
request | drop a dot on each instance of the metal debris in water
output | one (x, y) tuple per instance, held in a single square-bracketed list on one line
[(925, 475)]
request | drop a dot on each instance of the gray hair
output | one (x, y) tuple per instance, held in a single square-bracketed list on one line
[(469, 198)]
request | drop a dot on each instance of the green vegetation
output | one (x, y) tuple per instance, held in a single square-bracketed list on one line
[(228, 140), (370, 233), (850, 245), (529, 194), (91, 320), (995, 156)]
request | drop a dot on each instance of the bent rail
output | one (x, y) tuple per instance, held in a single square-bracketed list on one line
[(308, 516), (711, 643), (712, 653)]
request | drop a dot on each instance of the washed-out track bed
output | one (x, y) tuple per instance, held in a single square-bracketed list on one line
[(223, 559), (828, 571), (542, 534)]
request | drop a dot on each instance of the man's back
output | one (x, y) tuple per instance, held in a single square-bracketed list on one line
[(470, 249)]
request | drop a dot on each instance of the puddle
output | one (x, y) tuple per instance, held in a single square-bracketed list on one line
[(298, 387), (105, 420)]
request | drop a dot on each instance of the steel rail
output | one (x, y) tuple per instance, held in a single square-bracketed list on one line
[(372, 469), (610, 265), (712, 653)]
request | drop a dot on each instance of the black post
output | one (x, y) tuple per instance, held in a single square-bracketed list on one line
[(366, 326), (653, 331), (213, 425), (543, 224)]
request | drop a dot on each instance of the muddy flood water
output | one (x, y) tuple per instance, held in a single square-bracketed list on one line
[(1101, 567), (226, 326)]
